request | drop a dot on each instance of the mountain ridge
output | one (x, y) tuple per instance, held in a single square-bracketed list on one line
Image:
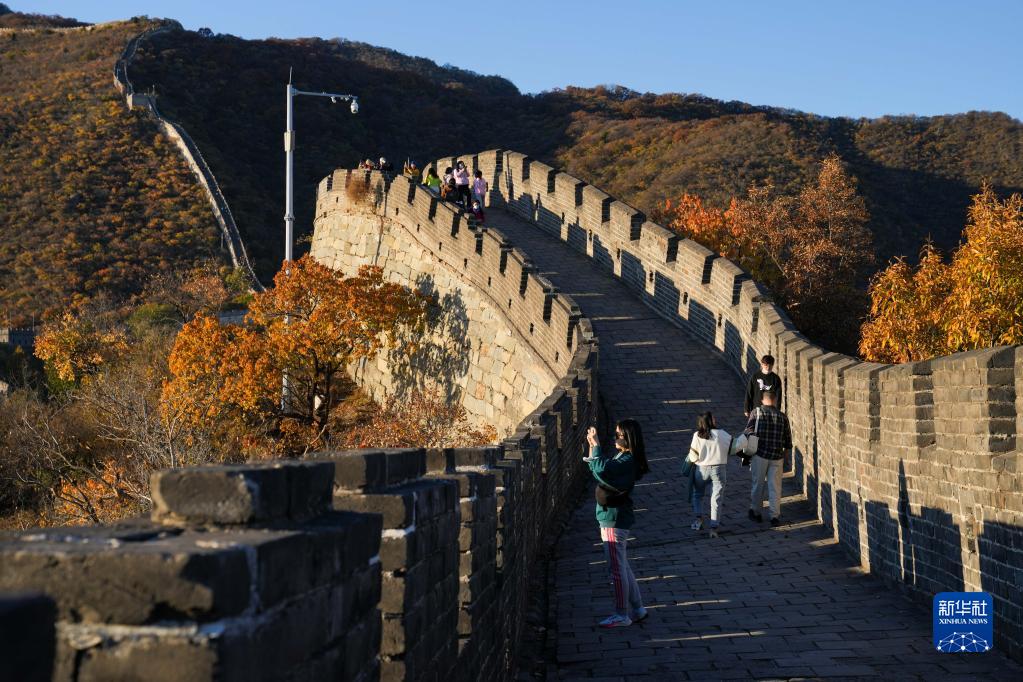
[(916, 173)]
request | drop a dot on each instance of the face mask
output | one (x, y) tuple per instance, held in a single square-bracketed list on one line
[(621, 444)]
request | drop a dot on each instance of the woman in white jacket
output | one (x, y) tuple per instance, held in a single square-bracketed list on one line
[(709, 452)]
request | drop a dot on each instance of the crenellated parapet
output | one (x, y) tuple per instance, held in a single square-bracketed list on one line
[(507, 338), (358, 565), (915, 467)]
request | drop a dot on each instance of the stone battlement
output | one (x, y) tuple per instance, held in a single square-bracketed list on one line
[(915, 467), (416, 564), (504, 336), (397, 564)]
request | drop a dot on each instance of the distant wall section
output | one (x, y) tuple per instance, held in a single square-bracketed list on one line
[(496, 356)]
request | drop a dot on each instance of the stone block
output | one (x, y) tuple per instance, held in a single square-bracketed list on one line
[(241, 494), (356, 469), (189, 577), (160, 659), (27, 637)]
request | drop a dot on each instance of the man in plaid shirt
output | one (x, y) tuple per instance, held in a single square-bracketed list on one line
[(771, 427)]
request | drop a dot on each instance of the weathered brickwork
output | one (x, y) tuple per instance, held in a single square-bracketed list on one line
[(472, 351), (416, 564), (393, 564), (916, 467), (244, 573)]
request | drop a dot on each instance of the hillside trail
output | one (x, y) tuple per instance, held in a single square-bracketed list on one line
[(758, 601)]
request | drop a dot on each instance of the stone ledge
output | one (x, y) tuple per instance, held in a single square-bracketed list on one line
[(241, 494)]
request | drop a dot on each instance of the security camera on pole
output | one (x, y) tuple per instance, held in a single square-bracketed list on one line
[(289, 182)]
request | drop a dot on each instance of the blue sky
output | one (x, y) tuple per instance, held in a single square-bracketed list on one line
[(833, 58)]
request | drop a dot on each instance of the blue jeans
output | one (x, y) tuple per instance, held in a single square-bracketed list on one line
[(715, 474)]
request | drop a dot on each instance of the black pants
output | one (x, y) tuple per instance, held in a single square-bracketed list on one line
[(464, 195)]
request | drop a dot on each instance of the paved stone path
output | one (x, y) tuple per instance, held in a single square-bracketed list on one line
[(757, 602)]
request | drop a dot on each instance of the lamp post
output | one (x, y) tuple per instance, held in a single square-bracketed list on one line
[(289, 184), (289, 153)]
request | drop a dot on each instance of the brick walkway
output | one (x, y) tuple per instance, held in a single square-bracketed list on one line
[(758, 602)]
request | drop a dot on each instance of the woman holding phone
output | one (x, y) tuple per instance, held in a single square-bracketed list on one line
[(616, 475)]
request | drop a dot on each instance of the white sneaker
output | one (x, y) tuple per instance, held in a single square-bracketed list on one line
[(616, 621)]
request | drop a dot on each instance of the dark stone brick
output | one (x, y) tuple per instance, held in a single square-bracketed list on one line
[(405, 465), (310, 488), (356, 469), (190, 577), (220, 495), (27, 637)]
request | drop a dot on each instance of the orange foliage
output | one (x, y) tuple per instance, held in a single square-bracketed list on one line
[(424, 419), (810, 250), (74, 348), (975, 301), (907, 311), (310, 326), (100, 499)]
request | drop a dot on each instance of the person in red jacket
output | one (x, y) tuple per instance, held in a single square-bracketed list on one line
[(477, 212)]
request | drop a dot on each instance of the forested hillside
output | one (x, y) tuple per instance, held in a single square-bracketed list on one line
[(917, 174), (11, 19), (92, 197)]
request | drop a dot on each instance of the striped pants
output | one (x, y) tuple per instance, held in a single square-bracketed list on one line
[(627, 598)]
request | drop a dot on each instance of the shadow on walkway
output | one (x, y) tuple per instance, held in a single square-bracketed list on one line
[(756, 602)]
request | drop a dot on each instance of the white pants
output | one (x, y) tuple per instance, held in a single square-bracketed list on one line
[(766, 472)]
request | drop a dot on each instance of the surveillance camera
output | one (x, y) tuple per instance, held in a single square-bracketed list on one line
[(355, 106), (334, 100)]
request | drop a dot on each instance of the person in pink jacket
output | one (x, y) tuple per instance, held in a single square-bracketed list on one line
[(479, 189)]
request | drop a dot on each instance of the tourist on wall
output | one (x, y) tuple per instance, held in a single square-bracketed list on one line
[(762, 380), (432, 181), (367, 165), (477, 212), (709, 453), (449, 191), (616, 475), (773, 447), (462, 183), (385, 165), (479, 189), (412, 172)]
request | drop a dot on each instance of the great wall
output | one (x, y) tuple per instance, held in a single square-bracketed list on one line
[(416, 564), (231, 238)]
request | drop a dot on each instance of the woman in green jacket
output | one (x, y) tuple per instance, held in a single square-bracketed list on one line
[(616, 476)]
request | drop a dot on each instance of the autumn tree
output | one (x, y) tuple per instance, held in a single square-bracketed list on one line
[(812, 250), (74, 346), (189, 291), (309, 327), (974, 301), (907, 310)]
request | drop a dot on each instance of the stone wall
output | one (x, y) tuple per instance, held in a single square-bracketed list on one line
[(212, 587), (358, 565), (915, 467), (473, 351), (231, 237), (397, 564)]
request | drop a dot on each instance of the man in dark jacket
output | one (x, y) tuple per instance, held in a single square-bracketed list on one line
[(763, 380)]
